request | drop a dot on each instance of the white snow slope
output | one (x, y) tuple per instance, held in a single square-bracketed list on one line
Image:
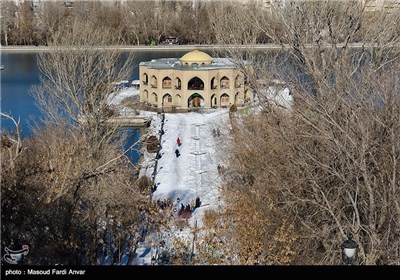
[(194, 173)]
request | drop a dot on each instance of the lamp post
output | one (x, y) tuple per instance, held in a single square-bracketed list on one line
[(349, 248)]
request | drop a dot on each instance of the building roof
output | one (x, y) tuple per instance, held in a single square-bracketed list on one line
[(196, 56), (175, 63)]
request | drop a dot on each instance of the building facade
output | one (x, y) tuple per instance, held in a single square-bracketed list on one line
[(196, 80)]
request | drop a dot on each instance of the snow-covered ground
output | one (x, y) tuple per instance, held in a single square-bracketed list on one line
[(117, 97), (182, 179), (194, 173)]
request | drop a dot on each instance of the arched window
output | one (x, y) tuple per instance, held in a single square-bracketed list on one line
[(224, 83), (214, 100), (153, 81), (238, 81), (146, 95), (167, 82), (196, 84), (225, 100), (154, 98), (177, 83), (145, 79), (213, 83)]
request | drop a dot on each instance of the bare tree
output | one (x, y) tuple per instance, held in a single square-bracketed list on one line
[(330, 165), (77, 77), (70, 206), (74, 186), (49, 18), (139, 18), (134, 22), (23, 33), (8, 10), (13, 144)]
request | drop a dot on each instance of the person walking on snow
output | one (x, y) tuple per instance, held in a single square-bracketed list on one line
[(177, 153), (178, 141)]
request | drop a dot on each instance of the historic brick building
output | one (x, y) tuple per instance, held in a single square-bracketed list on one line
[(194, 80)]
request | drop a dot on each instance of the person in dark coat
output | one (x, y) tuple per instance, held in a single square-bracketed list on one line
[(198, 202), (177, 153), (181, 210)]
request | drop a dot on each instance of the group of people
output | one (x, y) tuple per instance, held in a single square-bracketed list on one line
[(178, 142), (165, 203), (216, 132), (186, 211)]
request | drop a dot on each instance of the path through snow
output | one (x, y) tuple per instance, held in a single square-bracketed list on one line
[(194, 173)]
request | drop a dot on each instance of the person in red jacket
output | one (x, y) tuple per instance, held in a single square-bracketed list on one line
[(178, 141)]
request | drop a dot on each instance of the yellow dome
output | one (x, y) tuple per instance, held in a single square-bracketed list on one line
[(196, 57)]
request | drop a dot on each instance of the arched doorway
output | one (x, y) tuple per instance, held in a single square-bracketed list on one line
[(225, 100), (154, 98), (214, 100), (167, 100), (195, 101)]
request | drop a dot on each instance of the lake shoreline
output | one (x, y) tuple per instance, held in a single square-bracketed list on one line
[(21, 49)]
